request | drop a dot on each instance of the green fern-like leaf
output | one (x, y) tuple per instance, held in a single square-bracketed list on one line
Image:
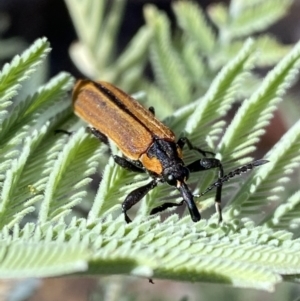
[(247, 17), (68, 172), (286, 216), (181, 250), (266, 185), (19, 69), (219, 98), (191, 19), (98, 26), (44, 178), (269, 50), (168, 68), (256, 112)]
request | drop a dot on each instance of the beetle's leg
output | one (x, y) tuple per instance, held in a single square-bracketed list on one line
[(152, 110), (205, 164), (135, 196), (184, 140), (97, 134), (127, 164), (58, 131), (164, 207), (119, 160)]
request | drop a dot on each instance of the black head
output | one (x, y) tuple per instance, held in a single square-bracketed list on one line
[(177, 175)]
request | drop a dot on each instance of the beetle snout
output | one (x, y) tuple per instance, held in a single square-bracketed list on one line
[(188, 199)]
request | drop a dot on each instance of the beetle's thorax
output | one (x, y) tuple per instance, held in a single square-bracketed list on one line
[(163, 157)]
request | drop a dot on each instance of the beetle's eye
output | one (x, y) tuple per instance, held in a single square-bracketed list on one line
[(171, 180)]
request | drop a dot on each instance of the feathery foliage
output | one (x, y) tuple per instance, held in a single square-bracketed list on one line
[(53, 224), (266, 186), (97, 24)]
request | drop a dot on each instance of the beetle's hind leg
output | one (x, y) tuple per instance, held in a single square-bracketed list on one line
[(184, 140), (90, 130)]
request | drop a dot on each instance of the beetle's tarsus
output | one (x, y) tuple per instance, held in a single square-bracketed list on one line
[(59, 131)]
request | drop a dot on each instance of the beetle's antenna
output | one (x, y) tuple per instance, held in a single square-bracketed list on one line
[(232, 174)]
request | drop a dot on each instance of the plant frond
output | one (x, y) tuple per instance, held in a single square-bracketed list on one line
[(28, 116), (24, 173), (196, 69), (19, 70), (88, 19), (105, 43), (26, 113), (261, 187), (132, 61), (68, 172), (286, 216), (169, 71), (219, 14), (32, 254), (219, 98), (256, 257), (158, 99), (9, 213), (255, 112), (98, 26), (269, 50), (247, 17), (191, 19)]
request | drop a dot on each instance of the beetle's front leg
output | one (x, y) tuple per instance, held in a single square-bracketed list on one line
[(135, 196), (184, 140), (206, 164), (165, 206)]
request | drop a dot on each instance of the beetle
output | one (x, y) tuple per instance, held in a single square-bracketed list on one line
[(146, 143)]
